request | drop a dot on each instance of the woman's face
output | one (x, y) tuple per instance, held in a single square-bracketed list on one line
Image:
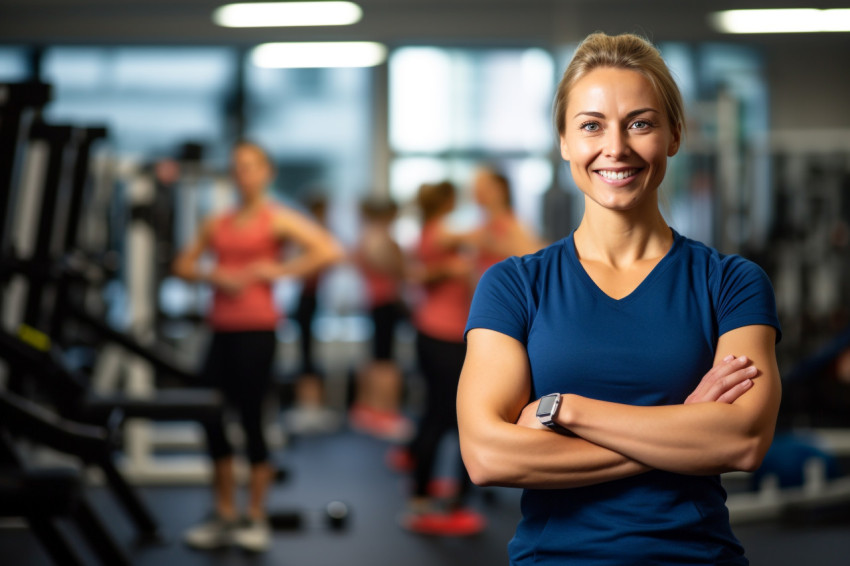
[(617, 139), (251, 171), (488, 191), (483, 190)]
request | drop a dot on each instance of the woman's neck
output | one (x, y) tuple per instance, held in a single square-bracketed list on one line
[(621, 239), (495, 211), (252, 204)]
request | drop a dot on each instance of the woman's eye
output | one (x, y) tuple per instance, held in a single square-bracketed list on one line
[(590, 127), (641, 124)]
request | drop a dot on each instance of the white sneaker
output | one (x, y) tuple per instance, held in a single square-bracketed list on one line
[(253, 535), (211, 534), (311, 420)]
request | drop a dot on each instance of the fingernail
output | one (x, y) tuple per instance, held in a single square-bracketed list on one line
[(742, 359), (729, 358)]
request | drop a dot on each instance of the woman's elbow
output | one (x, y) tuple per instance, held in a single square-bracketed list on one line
[(752, 453), (479, 472), (180, 268), (485, 468)]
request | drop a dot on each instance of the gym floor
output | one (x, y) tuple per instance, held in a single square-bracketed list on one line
[(349, 467)]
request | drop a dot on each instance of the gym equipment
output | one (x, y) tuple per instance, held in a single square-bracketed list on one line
[(47, 274), (335, 516), (70, 396), (43, 495), (37, 276), (16, 101), (800, 476), (45, 270), (810, 393), (68, 392)]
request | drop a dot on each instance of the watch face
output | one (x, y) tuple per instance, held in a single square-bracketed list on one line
[(545, 406)]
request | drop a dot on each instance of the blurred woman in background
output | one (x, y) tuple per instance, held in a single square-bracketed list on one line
[(376, 409), (246, 244), (446, 278), (501, 235)]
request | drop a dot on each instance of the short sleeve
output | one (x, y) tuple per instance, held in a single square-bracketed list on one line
[(500, 302), (745, 296)]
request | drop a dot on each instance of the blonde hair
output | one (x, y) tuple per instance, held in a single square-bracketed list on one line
[(625, 51)]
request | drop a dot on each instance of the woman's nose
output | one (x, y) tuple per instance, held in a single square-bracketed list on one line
[(616, 144)]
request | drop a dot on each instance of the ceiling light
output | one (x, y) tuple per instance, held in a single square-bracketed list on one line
[(797, 20), (284, 14), (324, 54)]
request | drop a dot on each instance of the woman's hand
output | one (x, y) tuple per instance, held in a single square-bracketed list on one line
[(265, 271), (229, 282), (725, 382)]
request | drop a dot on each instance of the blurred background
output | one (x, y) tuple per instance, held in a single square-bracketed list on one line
[(452, 84)]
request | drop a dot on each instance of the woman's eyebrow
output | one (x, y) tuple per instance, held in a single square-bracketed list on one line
[(631, 114), (639, 111)]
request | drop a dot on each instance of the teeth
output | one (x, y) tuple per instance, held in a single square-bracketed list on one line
[(616, 174)]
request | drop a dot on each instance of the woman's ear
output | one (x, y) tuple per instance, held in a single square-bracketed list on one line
[(675, 141), (565, 150)]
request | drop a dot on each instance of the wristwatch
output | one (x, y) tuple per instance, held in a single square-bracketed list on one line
[(547, 408)]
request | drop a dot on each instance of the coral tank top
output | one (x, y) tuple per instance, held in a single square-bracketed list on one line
[(236, 246)]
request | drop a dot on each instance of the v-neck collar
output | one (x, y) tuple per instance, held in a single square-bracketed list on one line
[(655, 272)]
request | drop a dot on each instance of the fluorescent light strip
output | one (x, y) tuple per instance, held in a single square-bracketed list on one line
[(324, 54), (287, 14), (797, 20)]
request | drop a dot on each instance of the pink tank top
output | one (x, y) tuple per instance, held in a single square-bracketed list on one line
[(494, 231), (236, 246), (445, 307), (381, 288)]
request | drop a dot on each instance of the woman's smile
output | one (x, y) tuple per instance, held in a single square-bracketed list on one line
[(618, 176)]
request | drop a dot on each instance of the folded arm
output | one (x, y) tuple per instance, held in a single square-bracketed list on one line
[(495, 386), (698, 437)]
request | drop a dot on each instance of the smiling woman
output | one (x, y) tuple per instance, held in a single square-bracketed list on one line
[(617, 139), (658, 351)]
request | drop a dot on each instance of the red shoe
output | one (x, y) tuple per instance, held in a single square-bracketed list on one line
[(400, 460), (393, 427), (361, 418), (458, 523), (386, 425)]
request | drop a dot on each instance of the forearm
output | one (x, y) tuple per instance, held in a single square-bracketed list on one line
[(701, 438), (188, 263), (510, 455), (191, 270), (309, 262), (696, 437)]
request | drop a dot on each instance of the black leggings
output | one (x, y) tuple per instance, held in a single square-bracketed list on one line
[(385, 318), (304, 315), (239, 364), (440, 363)]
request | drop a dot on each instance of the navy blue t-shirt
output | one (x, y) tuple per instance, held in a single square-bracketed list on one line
[(651, 347)]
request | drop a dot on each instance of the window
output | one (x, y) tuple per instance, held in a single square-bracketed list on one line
[(453, 109)]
